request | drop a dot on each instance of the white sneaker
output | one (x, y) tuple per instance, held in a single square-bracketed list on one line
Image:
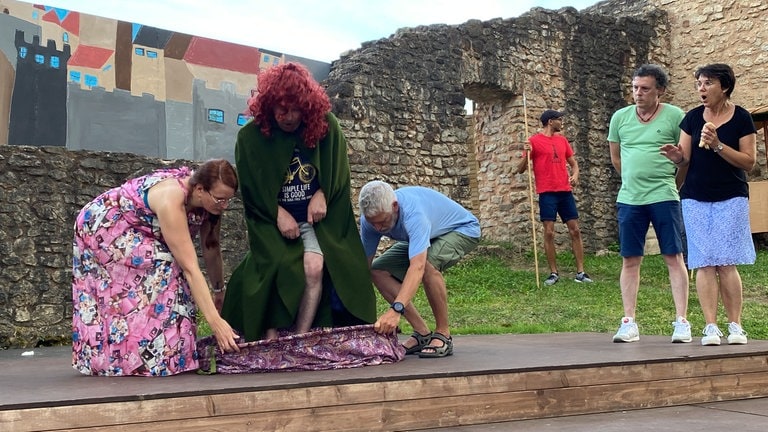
[(628, 331), (712, 335), (736, 334), (552, 279), (682, 330)]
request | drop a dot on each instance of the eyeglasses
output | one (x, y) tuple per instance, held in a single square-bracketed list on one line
[(219, 201), (706, 83)]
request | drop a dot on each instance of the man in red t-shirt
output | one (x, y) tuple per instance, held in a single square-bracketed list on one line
[(550, 151)]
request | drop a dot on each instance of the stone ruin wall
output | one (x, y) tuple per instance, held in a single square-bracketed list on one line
[(580, 62), (400, 101), (702, 32)]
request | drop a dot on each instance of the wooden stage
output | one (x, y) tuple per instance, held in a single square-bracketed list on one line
[(495, 382)]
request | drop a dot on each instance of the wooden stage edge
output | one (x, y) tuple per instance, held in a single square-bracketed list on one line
[(489, 379)]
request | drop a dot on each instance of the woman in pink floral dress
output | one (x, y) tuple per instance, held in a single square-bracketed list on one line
[(136, 281)]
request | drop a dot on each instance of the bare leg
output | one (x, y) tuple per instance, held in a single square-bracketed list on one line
[(707, 287), (732, 292), (549, 245), (389, 287), (313, 272), (437, 295), (630, 283), (678, 279), (576, 243)]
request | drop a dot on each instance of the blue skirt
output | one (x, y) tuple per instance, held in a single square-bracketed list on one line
[(718, 233)]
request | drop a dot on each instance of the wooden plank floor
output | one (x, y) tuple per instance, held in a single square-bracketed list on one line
[(489, 379)]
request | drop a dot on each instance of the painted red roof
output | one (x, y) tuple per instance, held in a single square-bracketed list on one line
[(72, 23), (223, 55), (90, 57), (51, 16)]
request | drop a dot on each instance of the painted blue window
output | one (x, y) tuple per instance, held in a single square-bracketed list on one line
[(91, 81), (34, 14), (139, 51), (55, 62), (216, 115), (74, 76), (266, 58), (39, 58), (65, 37), (107, 67), (23, 52), (242, 119), (276, 61), (151, 54)]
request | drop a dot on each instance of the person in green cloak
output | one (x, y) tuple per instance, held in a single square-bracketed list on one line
[(305, 266)]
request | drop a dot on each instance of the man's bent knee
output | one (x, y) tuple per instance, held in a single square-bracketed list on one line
[(313, 265)]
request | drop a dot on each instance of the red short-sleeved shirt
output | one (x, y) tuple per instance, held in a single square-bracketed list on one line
[(549, 155)]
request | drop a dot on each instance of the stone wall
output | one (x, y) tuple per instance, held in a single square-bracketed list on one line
[(702, 32), (401, 102)]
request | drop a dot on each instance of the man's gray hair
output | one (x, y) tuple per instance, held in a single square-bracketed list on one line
[(376, 197)]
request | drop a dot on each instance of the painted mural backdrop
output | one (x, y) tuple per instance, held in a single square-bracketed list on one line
[(85, 82)]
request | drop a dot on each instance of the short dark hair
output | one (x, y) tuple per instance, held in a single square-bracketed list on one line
[(721, 72), (550, 114), (652, 70)]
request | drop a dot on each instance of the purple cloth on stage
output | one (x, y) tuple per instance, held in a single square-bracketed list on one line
[(319, 349)]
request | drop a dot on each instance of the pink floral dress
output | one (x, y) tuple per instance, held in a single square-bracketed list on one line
[(133, 310)]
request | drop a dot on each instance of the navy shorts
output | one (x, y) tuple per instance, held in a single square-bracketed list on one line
[(634, 220), (552, 204)]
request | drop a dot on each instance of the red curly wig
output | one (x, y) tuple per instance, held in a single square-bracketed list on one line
[(290, 84)]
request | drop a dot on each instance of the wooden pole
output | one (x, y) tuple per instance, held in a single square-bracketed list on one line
[(530, 190)]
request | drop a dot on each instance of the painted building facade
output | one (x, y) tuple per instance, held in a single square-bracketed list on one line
[(80, 81)]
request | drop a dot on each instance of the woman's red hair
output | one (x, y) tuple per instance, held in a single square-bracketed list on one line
[(290, 84)]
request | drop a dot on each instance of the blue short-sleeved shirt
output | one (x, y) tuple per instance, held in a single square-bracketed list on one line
[(424, 214)]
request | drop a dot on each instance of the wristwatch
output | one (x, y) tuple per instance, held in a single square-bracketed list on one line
[(719, 148), (398, 307)]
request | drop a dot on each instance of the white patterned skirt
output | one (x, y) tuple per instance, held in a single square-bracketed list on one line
[(718, 233)]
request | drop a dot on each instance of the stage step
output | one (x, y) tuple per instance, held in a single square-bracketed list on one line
[(490, 379)]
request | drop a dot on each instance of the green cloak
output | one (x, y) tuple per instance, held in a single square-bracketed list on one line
[(265, 289)]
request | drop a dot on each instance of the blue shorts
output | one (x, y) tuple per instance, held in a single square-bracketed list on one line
[(552, 204), (634, 220)]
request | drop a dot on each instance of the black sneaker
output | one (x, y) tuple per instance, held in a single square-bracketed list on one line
[(552, 279)]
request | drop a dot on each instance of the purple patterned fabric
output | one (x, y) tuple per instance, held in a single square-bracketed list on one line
[(319, 349)]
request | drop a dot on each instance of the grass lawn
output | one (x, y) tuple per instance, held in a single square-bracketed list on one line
[(495, 293)]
